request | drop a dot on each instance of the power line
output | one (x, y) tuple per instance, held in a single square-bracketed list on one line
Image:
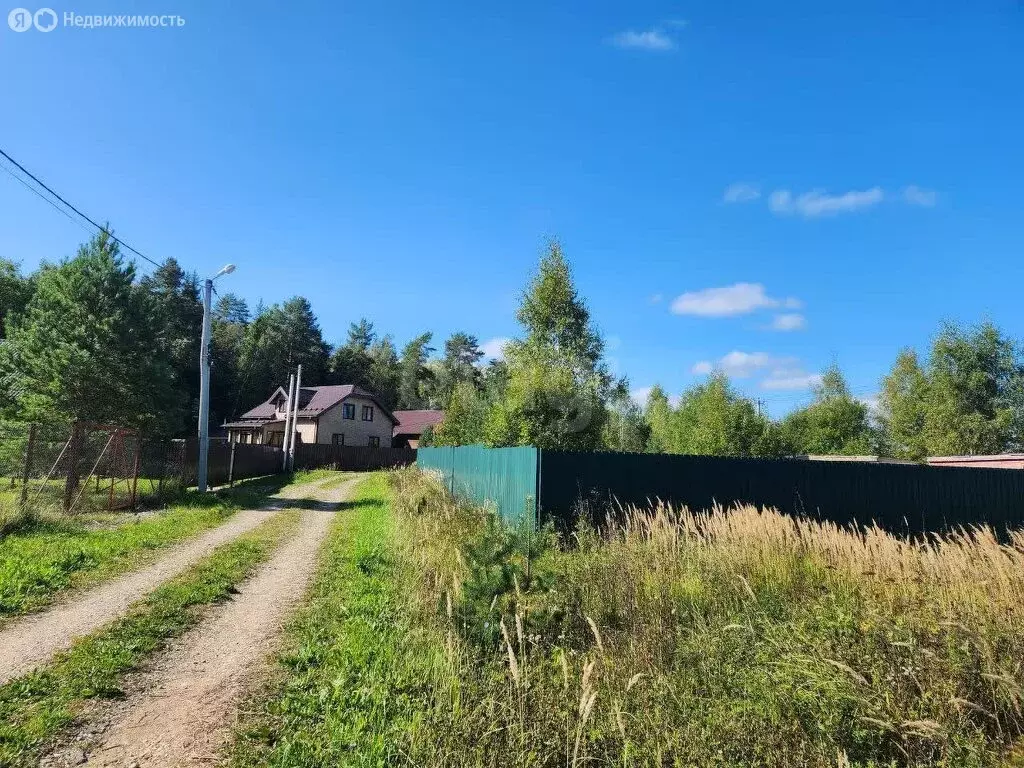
[(42, 184), (43, 197)]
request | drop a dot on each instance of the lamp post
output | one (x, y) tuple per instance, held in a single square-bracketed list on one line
[(204, 378)]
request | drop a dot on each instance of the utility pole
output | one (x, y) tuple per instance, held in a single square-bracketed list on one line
[(295, 417), (288, 425), (204, 378)]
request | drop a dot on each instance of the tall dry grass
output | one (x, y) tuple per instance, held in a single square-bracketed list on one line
[(726, 637)]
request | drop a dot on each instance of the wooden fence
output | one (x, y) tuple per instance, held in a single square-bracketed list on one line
[(227, 462), (353, 458)]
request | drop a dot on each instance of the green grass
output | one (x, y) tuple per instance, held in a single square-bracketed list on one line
[(45, 557), (34, 708), (439, 637), (351, 679)]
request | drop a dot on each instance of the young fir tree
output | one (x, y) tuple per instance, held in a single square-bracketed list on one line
[(558, 384)]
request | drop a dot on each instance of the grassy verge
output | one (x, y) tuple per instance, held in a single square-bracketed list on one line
[(438, 637), (355, 668), (35, 707), (736, 637), (41, 559)]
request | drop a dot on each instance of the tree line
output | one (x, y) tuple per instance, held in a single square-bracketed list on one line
[(88, 338), (965, 397)]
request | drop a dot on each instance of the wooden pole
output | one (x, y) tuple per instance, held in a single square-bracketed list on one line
[(231, 466), (26, 473), (71, 481), (135, 469)]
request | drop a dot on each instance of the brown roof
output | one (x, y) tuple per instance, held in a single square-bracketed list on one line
[(315, 400), (249, 423), (414, 422)]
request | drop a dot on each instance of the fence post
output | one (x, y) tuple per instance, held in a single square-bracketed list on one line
[(231, 466), (163, 471), (27, 471), (71, 483), (135, 468)]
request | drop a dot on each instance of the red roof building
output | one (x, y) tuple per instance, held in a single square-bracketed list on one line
[(411, 425)]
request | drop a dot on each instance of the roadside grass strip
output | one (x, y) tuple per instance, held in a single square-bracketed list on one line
[(353, 671), (34, 708), (43, 558)]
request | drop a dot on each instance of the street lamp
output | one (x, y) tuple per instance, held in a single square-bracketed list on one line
[(204, 378)]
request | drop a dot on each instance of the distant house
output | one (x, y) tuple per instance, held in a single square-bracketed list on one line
[(993, 461), (411, 425), (341, 414)]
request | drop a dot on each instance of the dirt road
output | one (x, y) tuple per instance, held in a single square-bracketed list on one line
[(33, 640), (180, 711)]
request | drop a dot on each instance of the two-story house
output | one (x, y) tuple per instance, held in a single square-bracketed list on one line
[(341, 414)]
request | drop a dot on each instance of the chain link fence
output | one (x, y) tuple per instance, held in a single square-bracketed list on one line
[(85, 467)]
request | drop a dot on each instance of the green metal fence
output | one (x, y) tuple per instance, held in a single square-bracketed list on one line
[(505, 478), (902, 498), (561, 485)]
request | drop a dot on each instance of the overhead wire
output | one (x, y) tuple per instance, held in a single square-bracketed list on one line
[(68, 205)]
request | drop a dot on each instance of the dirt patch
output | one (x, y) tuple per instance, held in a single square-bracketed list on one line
[(180, 711), (31, 641)]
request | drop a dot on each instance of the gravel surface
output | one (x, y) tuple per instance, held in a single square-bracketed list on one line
[(180, 711), (31, 641)]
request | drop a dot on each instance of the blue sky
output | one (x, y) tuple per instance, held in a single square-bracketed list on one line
[(762, 187)]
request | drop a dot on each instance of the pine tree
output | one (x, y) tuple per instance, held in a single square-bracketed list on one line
[(15, 292), (413, 372), (278, 340), (87, 347), (462, 353), (179, 315), (351, 362)]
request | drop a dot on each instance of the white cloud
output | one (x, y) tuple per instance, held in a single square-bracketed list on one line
[(915, 195), (819, 203), (640, 394), (789, 321), (736, 364), (778, 372), (647, 40), (786, 380), (703, 368), (494, 349), (741, 192), (729, 301)]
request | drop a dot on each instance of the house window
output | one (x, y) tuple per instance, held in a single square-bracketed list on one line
[(375, 442), (367, 413), (348, 411), (338, 438)]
